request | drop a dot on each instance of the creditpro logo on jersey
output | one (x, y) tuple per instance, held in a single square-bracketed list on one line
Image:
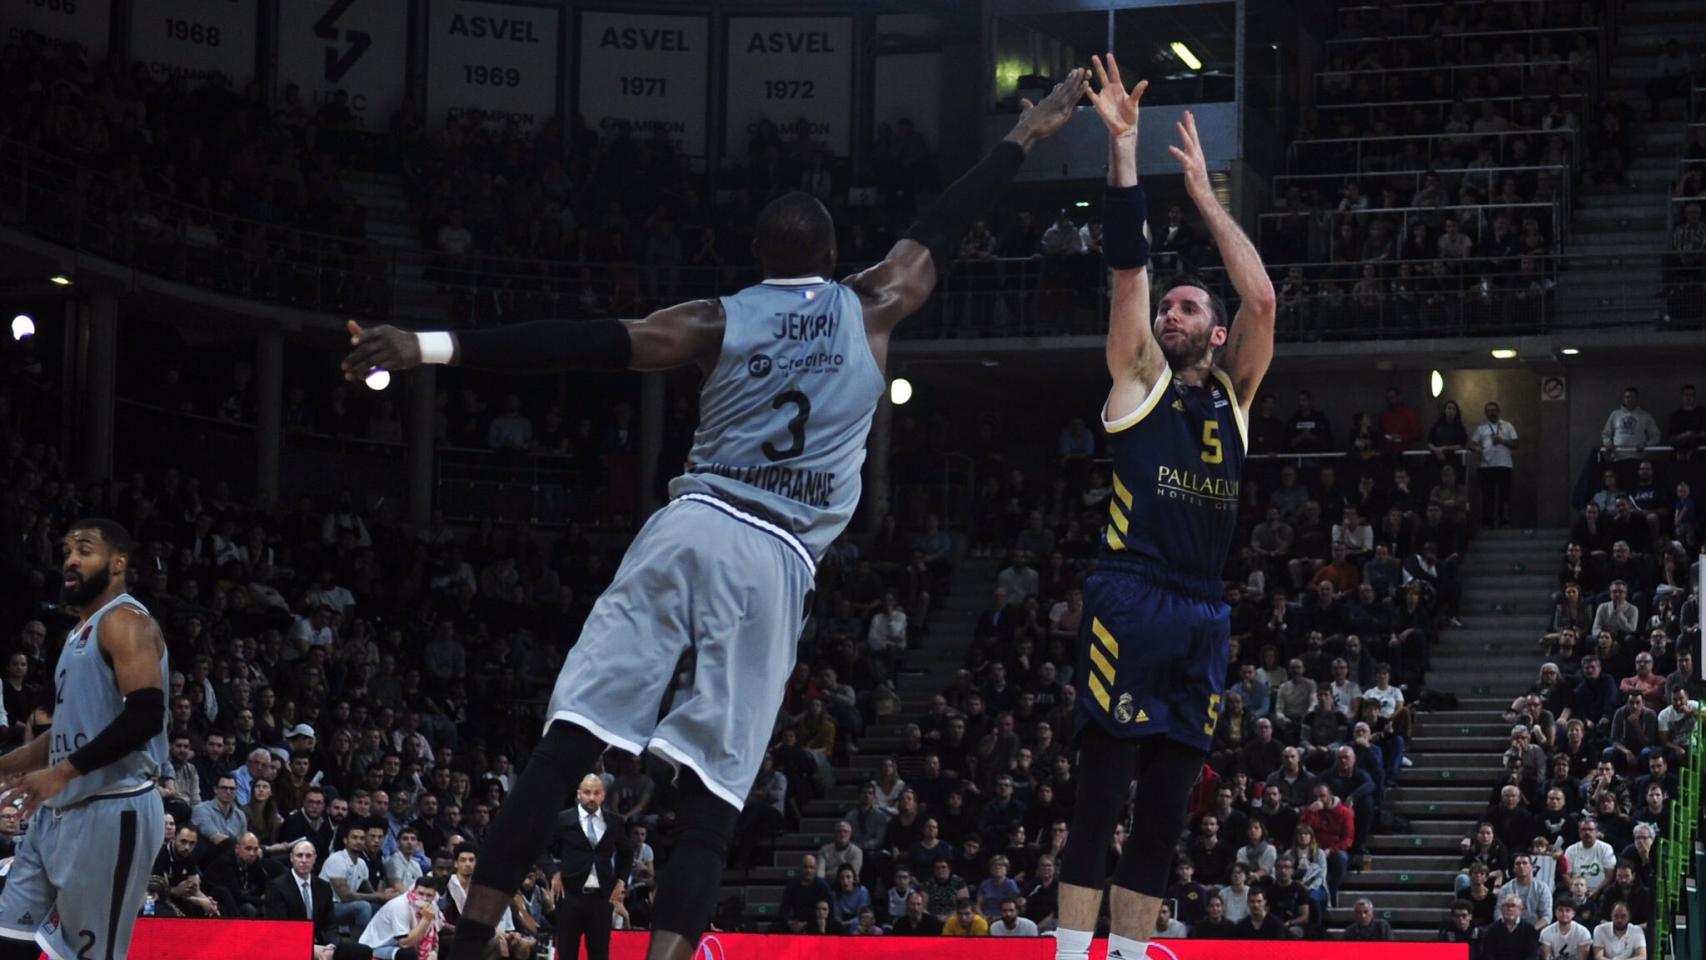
[(760, 365)]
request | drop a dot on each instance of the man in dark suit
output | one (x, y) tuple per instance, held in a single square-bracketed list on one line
[(300, 895), (238, 875), (593, 855)]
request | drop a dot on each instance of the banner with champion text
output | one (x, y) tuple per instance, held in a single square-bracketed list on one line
[(648, 71), (755, 946), (789, 71), (195, 38), (491, 62), (358, 46), (80, 25)]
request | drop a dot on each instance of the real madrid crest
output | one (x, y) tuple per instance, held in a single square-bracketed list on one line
[(1122, 710)]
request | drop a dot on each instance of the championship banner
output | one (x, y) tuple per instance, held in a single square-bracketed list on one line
[(790, 70), (494, 63), (81, 25), (358, 46), (195, 38), (648, 71)]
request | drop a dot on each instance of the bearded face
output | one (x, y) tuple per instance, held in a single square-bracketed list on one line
[(1186, 327)]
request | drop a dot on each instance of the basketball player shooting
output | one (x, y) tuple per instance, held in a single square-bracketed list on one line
[(793, 373), (1154, 643), (95, 818)]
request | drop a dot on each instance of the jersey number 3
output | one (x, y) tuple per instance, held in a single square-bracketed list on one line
[(796, 426), (1212, 452)]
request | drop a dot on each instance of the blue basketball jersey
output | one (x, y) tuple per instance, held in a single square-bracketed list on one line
[(1177, 460), (784, 416), (86, 701)]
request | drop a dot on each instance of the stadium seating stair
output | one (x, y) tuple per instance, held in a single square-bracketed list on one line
[(393, 226), (928, 670), (1507, 578), (1616, 229)]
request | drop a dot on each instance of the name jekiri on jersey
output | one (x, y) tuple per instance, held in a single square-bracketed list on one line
[(785, 414)]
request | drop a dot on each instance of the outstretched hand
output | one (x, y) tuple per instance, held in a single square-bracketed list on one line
[(1039, 121), (383, 347), (1191, 161), (1117, 107)]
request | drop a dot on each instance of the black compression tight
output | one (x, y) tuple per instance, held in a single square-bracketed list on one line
[(1165, 772)]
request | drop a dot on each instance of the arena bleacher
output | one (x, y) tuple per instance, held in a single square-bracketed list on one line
[(1434, 700)]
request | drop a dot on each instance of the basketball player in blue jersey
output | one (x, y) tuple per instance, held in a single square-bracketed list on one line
[(793, 372), (1154, 641), (95, 819)]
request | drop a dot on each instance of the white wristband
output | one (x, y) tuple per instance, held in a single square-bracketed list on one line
[(437, 346)]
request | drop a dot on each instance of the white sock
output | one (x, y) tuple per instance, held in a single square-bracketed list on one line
[(1127, 948), (1072, 944)]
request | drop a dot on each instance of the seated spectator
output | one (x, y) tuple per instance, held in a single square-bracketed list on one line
[(407, 926), (1366, 926), (916, 921), (1509, 938), (1618, 938), (1214, 925), (965, 921), (1010, 923)]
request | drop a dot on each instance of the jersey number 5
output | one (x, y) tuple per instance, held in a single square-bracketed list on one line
[(1211, 449), (796, 426)]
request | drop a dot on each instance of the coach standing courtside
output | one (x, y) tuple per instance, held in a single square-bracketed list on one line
[(593, 855)]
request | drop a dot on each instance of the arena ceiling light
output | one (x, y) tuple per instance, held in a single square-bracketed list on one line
[(1569, 351), (1504, 353), (900, 391), (379, 379), (23, 327), (1184, 53), (59, 280), (1436, 383)]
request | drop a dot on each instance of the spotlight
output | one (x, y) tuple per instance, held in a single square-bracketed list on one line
[(379, 379), (900, 391), (1569, 351), (23, 327), (1184, 53), (1504, 353), (59, 279), (1436, 383)]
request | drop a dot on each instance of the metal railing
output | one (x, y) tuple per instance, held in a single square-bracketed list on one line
[(1676, 847), (1460, 176), (1441, 106), (1450, 71), (1474, 220), (1434, 146), (1463, 37)]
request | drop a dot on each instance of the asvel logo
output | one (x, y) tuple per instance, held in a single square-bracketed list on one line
[(326, 28), (759, 366)]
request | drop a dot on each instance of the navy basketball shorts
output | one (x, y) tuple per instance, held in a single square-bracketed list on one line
[(1151, 658)]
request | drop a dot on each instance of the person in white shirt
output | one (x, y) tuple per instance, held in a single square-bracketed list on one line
[(460, 880), (1591, 858), (346, 871), (1564, 938), (1166, 928), (1629, 430), (1493, 440), (406, 866), (887, 636), (1618, 939), (407, 922), (1010, 923), (1062, 237)]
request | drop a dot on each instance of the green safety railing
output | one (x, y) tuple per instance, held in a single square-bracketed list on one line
[(1676, 854)]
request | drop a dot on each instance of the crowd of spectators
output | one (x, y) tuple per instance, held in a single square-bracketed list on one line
[(1564, 854), (244, 192), (1332, 621)]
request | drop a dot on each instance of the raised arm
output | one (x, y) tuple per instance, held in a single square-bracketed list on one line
[(895, 288), (1250, 344), (687, 333), (1135, 361)]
